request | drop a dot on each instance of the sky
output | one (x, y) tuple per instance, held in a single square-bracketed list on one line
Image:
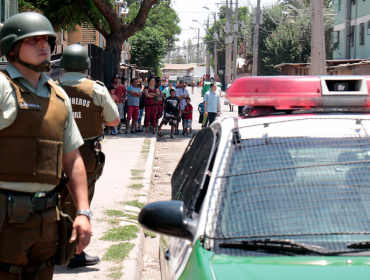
[(189, 10)]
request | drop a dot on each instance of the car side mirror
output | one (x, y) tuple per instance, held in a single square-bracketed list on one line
[(167, 217)]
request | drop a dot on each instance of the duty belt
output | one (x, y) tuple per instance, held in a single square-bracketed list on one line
[(48, 200), (89, 143)]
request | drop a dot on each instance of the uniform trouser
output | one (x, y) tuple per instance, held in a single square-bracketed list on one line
[(68, 206), (28, 245), (90, 160)]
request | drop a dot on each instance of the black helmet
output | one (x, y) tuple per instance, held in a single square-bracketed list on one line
[(75, 57), (22, 26)]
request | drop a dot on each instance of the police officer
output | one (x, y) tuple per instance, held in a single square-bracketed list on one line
[(38, 139), (92, 106)]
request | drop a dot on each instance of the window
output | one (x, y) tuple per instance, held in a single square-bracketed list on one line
[(352, 36), (335, 36), (191, 173), (362, 34), (353, 2)]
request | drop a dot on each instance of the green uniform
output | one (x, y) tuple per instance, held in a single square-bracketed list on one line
[(109, 112), (8, 110), (29, 224)]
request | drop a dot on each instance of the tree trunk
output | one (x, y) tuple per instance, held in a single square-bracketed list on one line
[(114, 45)]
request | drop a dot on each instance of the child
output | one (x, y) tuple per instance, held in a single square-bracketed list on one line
[(111, 129), (172, 111), (188, 117), (201, 112)]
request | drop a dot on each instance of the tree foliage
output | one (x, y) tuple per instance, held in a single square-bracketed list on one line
[(148, 47), (285, 34), (101, 14), (164, 20)]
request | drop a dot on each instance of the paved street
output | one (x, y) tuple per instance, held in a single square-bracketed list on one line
[(130, 160)]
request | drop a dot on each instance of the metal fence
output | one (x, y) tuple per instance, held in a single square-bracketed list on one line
[(103, 64)]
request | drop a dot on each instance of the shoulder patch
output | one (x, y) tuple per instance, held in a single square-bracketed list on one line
[(100, 83)]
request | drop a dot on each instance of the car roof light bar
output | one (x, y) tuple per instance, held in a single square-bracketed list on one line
[(301, 92)]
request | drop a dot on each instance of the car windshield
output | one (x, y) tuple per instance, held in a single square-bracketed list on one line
[(313, 190)]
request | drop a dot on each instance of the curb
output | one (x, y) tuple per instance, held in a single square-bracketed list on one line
[(132, 268)]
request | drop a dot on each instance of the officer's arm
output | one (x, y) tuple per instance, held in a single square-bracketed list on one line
[(74, 167)]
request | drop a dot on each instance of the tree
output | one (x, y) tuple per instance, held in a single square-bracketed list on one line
[(147, 48), (164, 20), (100, 14)]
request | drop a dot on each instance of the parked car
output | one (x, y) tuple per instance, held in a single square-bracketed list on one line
[(187, 80), (282, 192)]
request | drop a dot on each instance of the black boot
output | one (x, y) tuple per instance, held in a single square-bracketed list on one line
[(83, 259)]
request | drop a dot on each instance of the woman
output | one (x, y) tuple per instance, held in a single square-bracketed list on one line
[(150, 107), (141, 106)]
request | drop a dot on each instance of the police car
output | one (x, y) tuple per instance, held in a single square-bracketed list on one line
[(282, 192)]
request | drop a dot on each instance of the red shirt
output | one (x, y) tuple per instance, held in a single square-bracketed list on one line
[(188, 108), (120, 90)]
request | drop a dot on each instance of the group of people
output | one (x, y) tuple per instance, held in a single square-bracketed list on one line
[(158, 101)]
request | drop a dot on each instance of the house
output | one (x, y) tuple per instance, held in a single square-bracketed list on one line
[(7, 9), (351, 32)]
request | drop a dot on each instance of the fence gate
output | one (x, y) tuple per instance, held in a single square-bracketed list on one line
[(103, 64), (109, 67), (96, 58)]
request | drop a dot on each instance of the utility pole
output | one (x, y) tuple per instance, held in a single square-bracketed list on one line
[(228, 42), (208, 68), (198, 48), (215, 73), (256, 40), (236, 29), (318, 55)]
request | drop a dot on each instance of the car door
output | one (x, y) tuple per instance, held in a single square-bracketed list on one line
[(188, 182)]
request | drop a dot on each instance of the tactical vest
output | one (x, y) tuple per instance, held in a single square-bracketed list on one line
[(87, 115), (31, 148)]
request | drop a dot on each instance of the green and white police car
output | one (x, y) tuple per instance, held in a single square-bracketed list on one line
[(282, 192)]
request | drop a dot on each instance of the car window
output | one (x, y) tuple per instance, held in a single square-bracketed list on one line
[(189, 176), (300, 188)]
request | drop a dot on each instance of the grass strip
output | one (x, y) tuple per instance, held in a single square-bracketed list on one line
[(150, 234), (136, 186), (116, 272), (135, 172), (135, 203), (118, 252), (117, 213), (124, 233), (137, 178)]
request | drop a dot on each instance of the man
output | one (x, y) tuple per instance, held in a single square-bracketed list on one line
[(172, 112), (212, 105), (133, 102), (166, 91), (38, 138), (182, 93), (121, 94), (163, 86), (92, 105)]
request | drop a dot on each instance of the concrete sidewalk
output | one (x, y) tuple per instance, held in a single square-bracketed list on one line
[(124, 152)]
